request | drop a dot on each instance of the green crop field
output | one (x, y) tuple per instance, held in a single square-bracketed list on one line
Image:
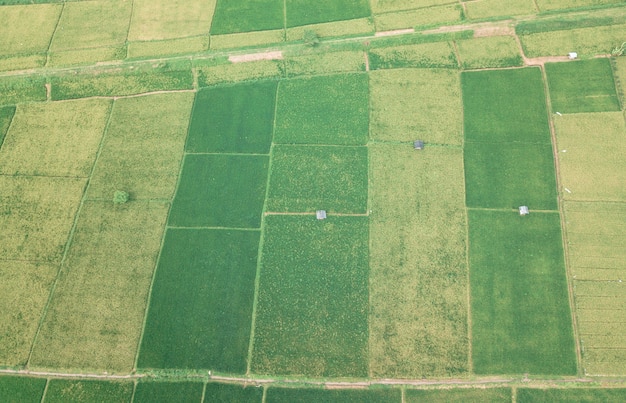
[(233, 119), (335, 29), (582, 86), (163, 19), (424, 17), (243, 16), (14, 389), (323, 110), (28, 28), (6, 116), (586, 42), (220, 191), (238, 72), (521, 320), (573, 395), (18, 89), (499, 8), (409, 104), (418, 271), (166, 392), (304, 12), (471, 395), (288, 395), (96, 313), (223, 392), (62, 391), (320, 63), (143, 147), (65, 145), (310, 178), (384, 6), (201, 305), (428, 55), (598, 173), (495, 51), (312, 308)]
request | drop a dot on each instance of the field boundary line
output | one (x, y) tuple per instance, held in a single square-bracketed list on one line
[(45, 390), (130, 22), (54, 32), (6, 134), (312, 213), (318, 145), (511, 210), (564, 238), (226, 153), (70, 236), (457, 55), (213, 228), (370, 371)]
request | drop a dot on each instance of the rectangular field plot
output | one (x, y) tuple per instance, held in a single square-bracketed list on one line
[(505, 106), (96, 313), (499, 8), (28, 28), (6, 116), (310, 178), (65, 390), (521, 319), (323, 110), (418, 270), (143, 147), (29, 283), (201, 305), (238, 72), (313, 297), (464, 395), (244, 16), (495, 51), (220, 191), (304, 12), (385, 6), (425, 55), (166, 19), (587, 42), (224, 392), (36, 216), (420, 17), (56, 138), (582, 86), (510, 175), (17, 89), (344, 28), (572, 395), (21, 389), (592, 173), (288, 395), (233, 119), (167, 392), (416, 104)]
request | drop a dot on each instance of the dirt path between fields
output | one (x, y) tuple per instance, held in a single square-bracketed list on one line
[(253, 57)]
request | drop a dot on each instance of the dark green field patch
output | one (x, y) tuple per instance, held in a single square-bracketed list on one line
[(220, 191), (510, 175), (464, 395), (65, 390), (505, 106), (6, 116), (244, 16), (309, 178), (288, 395), (323, 110), (582, 86), (521, 321), (18, 389), (234, 119), (167, 392), (572, 395), (17, 89), (312, 314), (305, 12), (201, 305), (224, 392)]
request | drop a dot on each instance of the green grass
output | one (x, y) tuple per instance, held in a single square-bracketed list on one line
[(166, 392), (220, 191), (29, 283), (313, 303), (437, 54), (510, 175), (201, 305), (163, 19), (18, 89), (323, 110), (36, 216), (96, 314), (572, 395), (224, 392), (505, 106), (418, 270), (416, 104), (6, 116), (520, 313), (288, 395), (253, 15), (499, 8), (565, 22), (143, 147), (324, 63), (587, 42), (99, 23), (233, 119), (15, 389), (548, 5), (494, 51), (194, 44), (128, 82), (465, 395), (582, 86), (304, 12), (237, 72), (385, 6), (592, 173), (27, 29), (65, 391), (56, 139), (310, 178)]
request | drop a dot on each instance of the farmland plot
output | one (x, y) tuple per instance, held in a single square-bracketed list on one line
[(304, 12), (287, 395), (499, 8), (384, 6), (320, 63), (467, 395), (15, 389), (18, 89), (243, 16), (495, 51), (223, 392), (65, 390), (547, 5), (586, 42), (427, 55), (238, 72), (573, 395), (166, 392), (421, 17)]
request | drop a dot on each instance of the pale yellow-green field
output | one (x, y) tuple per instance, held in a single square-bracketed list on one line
[(437, 54), (27, 29), (494, 51), (361, 26), (447, 14), (499, 8), (245, 39), (166, 47), (233, 72), (86, 56), (546, 5), (585, 41), (326, 62), (383, 6)]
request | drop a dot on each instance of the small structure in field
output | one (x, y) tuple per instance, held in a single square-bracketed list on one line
[(572, 55), (418, 144), (523, 210), (320, 214)]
